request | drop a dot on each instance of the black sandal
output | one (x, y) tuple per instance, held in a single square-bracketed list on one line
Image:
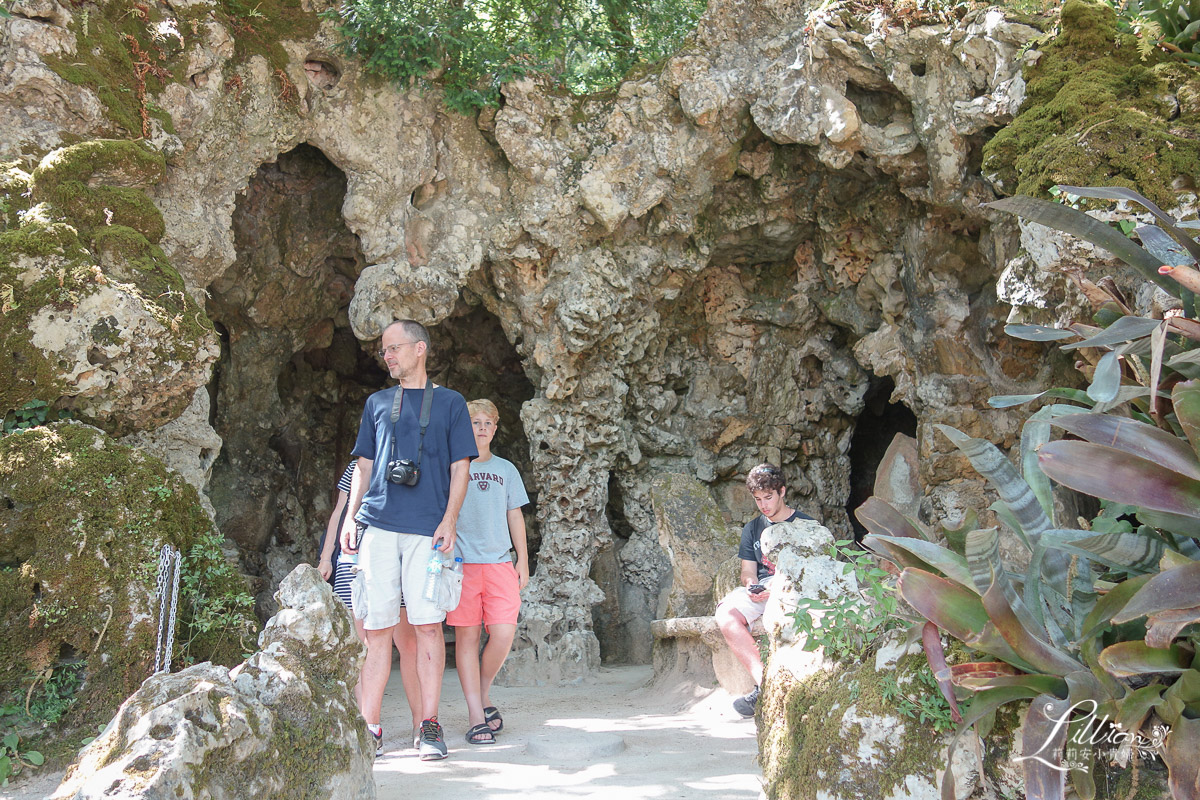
[(492, 714), (480, 734)]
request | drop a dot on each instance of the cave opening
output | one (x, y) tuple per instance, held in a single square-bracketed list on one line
[(472, 355), (634, 573), (288, 389), (879, 423)]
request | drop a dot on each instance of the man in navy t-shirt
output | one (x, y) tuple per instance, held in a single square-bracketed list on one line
[(738, 610), (403, 520)]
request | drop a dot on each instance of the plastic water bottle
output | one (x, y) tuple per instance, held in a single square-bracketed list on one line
[(433, 572), (352, 558)]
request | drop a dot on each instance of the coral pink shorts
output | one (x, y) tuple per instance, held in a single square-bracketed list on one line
[(489, 596)]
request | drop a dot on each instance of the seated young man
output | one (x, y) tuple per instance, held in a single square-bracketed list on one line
[(738, 610)]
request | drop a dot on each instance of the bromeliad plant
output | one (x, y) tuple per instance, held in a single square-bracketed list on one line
[(1099, 630), (1173, 25)]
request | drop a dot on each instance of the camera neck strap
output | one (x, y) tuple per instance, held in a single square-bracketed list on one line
[(426, 408)]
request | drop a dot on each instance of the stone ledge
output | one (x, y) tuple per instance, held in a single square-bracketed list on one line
[(693, 648), (697, 627)]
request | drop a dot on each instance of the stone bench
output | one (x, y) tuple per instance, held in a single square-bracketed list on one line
[(692, 649)]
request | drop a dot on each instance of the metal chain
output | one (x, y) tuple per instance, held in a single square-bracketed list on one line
[(170, 560), (164, 564)]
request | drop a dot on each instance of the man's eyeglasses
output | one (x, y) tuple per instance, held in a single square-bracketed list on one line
[(392, 348)]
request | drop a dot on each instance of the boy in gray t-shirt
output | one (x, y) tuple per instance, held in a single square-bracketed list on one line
[(489, 524)]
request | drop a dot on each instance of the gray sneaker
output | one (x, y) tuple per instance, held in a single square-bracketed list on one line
[(433, 744), (746, 705)]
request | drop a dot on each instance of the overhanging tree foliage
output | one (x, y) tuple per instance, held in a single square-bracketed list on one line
[(584, 45)]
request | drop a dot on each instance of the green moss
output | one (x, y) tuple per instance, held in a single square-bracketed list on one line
[(112, 162), (116, 205), (803, 747), (14, 183), (32, 235), (1095, 115), (79, 537), (40, 237), (24, 292), (298, 746), (1117, 783), (92, 226), (259, 28), (112, 40), (116, 42), (99, 182)]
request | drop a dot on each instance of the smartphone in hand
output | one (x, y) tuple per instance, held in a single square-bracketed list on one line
[(756, 588)]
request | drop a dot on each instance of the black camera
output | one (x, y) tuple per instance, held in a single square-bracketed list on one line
[(404, 472)]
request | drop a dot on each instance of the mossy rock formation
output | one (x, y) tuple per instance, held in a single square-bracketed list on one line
[(82, 521), (839, 733), (95, 319), (1096, 113)]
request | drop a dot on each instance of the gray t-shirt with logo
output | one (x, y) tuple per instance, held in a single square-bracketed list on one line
[(493, 488)]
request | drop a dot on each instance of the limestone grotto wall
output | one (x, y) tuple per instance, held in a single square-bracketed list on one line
[(717, 263)]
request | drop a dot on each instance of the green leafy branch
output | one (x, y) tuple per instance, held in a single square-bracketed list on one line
[(473, 49), (1172, 25), (846, 625), (925, 705)]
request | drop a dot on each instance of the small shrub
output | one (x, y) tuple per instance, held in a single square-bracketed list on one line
[(12, 758), (847, 625), (31, 415), (583, 46)]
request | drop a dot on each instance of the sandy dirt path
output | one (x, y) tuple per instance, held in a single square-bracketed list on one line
[(557, 742), (612, 736)]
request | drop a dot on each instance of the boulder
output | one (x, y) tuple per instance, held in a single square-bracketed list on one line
[(803, 568), (283, 723), (96, 319), (695, 537), (852, 731)]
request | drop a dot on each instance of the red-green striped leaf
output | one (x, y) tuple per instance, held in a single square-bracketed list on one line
[(880, 517), (1182, 757), (1176, 588), (1110, 474), (1185, 397), (936, 657), (1042, 738), (1041, 684), (1136, 438), (1129, 659), (909, 552), (950, 606), (1026, 643)]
